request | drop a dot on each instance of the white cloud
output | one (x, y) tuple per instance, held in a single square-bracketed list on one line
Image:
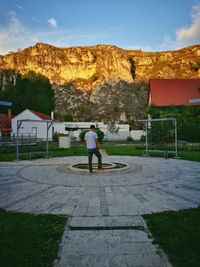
[(13, 35), (186, 35), (19, 7), (16, 35), (191, 33), (52, 22), (169, 44)]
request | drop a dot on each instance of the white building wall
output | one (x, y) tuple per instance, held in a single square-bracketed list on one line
[(59, 127), (123, 133), (31, 127), (137, 134), (74, 134)]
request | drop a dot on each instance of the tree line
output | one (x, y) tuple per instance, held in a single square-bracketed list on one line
[(31, 91)]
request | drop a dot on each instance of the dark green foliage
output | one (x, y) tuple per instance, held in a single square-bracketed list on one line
[(129, 139), (55, 137), (29, 240), (178, 234), (32, 91), (191, 132), (68, 117), (161, 135), (100, 135), (188, 120), (190, 155)]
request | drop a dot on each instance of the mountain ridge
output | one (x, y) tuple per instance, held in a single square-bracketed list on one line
[(102, 82), (90, 66)]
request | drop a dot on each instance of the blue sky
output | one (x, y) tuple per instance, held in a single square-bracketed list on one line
[(150, 25)]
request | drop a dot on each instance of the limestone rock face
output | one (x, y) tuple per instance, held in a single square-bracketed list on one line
[(63, 65), (89, 67), (102, 82)]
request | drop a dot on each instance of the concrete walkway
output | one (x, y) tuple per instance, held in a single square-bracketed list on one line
[(105, 227)]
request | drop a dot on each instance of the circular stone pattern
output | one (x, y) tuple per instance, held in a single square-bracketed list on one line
[(112, 166), (140, 171)]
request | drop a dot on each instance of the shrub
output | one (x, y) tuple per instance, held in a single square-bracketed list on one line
[(191, 132), (100, 135), (55, 137), (129, 139), (143, 138)]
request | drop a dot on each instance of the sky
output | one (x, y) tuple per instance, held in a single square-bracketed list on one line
[(150, 25)]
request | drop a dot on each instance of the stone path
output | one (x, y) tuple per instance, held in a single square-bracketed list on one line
[(109, 241), (105, 227)]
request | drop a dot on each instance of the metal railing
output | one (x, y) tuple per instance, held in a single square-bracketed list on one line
[(24, 139)]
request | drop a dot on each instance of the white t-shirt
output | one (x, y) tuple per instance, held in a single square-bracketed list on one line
[(90, 138)]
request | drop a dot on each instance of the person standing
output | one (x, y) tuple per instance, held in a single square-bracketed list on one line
[(91, 141)]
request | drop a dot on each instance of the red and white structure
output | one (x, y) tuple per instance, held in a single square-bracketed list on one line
[(32, 124), (174, 92)]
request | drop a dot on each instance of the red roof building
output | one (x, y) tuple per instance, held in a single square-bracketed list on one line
[(174, 92), (5, 122), (41, 115)]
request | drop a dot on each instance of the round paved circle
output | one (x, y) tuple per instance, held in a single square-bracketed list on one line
[(141, 171), (50, 186), (107, 167)]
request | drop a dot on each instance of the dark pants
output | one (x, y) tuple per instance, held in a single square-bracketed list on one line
[(90, 155)]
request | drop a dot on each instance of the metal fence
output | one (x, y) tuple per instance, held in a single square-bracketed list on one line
[(161, 136), (23, 139)]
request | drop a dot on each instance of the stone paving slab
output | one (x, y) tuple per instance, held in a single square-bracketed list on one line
[(150, 185), (110, 248), (110, 221), (102, 201)]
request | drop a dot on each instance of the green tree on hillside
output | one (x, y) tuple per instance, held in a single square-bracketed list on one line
[(32, 91), (188, 120)]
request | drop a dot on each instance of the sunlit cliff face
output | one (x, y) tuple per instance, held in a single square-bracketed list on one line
[(89, 67), (100, 83)]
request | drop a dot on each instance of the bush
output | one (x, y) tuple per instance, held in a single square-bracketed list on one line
[(188, 120), (191, 132), (100, 135), (143, 138), (129, 139), (55, 137)]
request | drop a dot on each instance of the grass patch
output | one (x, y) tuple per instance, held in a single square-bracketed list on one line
[(29, 240), (9, 153), (74, 151), (123, 150), (55, 152), (133, 151), (190, 155), (178, 234)]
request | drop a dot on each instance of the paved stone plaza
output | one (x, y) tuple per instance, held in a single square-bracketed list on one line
[(105, 227)]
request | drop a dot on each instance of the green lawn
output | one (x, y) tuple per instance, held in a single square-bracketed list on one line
[(132, 151), (29, 240), (123, 150), (178, 234), (190, 155), (9, 153)]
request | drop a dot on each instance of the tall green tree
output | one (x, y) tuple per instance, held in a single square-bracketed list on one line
[(32, 91)]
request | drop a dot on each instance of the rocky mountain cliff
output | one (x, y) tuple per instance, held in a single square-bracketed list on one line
[(90, 66), (97, 71)]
